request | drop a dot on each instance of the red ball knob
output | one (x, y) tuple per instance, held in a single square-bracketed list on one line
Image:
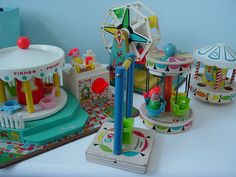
[(23, 42)]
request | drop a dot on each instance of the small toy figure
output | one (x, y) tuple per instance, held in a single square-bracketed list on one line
[(90, 64), (154, 95), (80, 65), (75, 53), (155, 104)]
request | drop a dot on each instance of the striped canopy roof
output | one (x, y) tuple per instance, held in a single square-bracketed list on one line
[(219, 55)]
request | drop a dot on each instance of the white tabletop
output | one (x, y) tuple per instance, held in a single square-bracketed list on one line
[(208, 148)]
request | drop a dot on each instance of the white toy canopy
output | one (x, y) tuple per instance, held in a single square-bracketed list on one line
[(36, 61), (219, 55)]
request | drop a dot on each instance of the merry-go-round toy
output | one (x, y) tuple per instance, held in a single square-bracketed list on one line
[(166, 110), (213, 85), (33, 106)]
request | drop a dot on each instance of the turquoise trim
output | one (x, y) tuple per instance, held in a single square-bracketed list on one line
[(225, 49), (215, 54), (199, 51)]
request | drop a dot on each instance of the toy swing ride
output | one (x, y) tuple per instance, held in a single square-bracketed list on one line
[(166, 110)]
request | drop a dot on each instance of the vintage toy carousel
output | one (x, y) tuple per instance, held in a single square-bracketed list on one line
[(213, 85), (166, 110), (31, 97)]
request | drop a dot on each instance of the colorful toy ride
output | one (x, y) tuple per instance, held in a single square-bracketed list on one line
[(88, 85), (132, 27), (213, 85), (82, 65), (118, 144), (166, 110), (37, 111)]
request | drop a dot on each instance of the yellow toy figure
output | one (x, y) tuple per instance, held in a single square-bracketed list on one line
[(81, 65), (90, 60), (77, 60), (90, 64)]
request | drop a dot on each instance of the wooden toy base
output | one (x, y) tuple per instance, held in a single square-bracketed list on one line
[(223, 95), (134, 158), (167, 122)]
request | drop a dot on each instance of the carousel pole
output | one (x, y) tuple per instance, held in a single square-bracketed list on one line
[(3, 97), (197, 70), (147, 80), (177, 89), (163, 80), (168, 92), (186, 84), (218, 78), (28, 96), (189, 77), (233, 76), (56, 82)]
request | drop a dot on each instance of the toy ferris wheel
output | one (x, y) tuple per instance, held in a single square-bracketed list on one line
[(138, 22)]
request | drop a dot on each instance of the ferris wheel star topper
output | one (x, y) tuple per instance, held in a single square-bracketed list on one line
[(134, 36), (138, 21)]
